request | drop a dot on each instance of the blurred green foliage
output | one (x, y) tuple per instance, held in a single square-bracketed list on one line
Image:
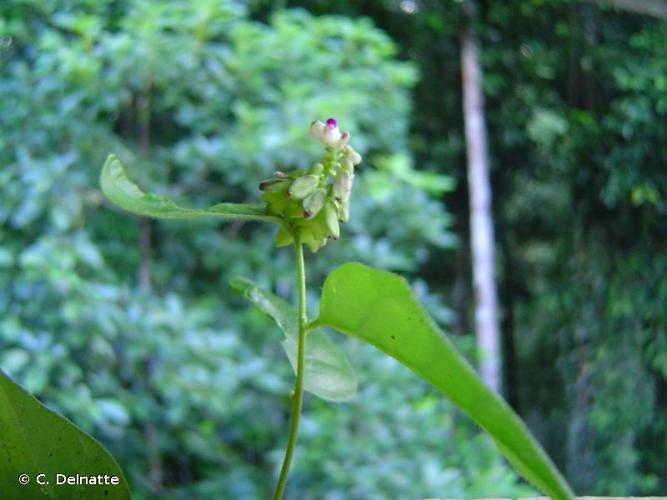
[(129, 328), (585, 198)]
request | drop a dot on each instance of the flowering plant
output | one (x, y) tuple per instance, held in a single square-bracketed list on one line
[(374, 306)]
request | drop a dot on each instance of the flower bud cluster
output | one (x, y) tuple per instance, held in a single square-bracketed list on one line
[(314, 201)]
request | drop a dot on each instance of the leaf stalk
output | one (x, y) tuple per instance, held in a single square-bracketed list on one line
[(297, 400)]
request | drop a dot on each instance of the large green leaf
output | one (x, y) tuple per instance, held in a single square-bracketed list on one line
[(35, 441), (328, 374), (379, 308), (127, 195)]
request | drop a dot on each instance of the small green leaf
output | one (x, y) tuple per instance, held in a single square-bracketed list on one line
[(283, 237), (127, 195), (275, 185), (331, 219), (314, 202), (328, 373), (303, 186), (34, 440), (379, 308)]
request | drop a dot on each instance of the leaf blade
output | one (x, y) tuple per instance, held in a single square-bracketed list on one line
[(36, 440), (328, 373), (124, 193), (380, 308)]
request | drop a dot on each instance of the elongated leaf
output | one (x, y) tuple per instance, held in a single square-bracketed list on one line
[(379, 308), (37, 445), (127, 195), (328, 374)]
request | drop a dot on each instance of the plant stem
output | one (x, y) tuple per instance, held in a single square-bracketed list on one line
[(298, 384)]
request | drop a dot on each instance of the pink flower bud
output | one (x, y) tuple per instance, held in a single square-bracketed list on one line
[(329, 134)]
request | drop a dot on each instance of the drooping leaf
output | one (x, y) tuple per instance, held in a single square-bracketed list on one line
[(328, 374), (379, 308), (34, 440), (121, 191)]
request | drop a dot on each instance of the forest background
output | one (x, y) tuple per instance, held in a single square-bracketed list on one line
[(129, 328)]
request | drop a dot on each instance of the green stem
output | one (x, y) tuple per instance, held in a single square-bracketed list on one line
[(298, 384)]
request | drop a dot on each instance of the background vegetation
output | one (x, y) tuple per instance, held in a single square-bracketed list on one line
[(129, 328)]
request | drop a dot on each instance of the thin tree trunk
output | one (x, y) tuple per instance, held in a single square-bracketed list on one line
[(481, 222)]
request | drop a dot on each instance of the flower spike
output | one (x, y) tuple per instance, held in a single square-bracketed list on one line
[(315, 200)]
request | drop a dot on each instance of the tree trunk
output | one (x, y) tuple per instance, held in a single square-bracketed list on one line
[(481, 223)]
